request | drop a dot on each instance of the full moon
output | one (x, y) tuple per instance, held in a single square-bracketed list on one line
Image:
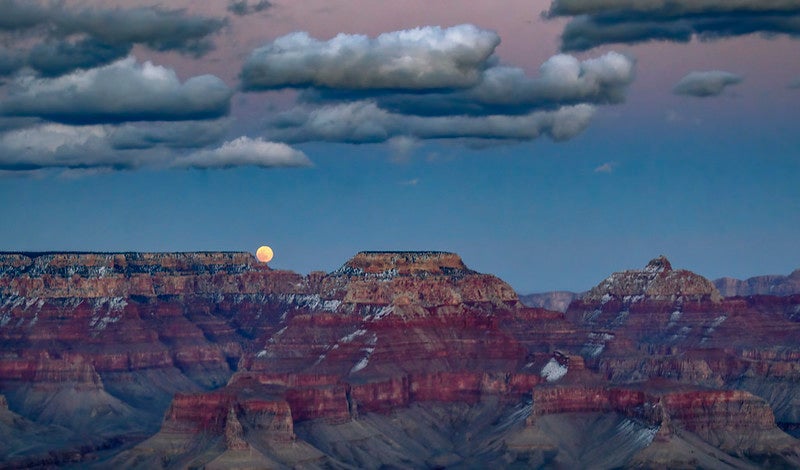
[(264, 254)]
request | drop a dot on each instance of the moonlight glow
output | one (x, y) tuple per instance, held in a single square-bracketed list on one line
[(264, 254)]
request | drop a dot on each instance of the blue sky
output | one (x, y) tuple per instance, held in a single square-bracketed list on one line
[(709, 181)]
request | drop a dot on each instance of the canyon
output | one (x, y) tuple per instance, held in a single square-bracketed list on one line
[(409, 359), (772, 285)]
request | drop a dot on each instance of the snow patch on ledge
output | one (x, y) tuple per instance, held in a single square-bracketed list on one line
[(349, 338), (553, 370), (361, 364)]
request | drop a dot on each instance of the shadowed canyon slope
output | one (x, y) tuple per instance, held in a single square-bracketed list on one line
[(178, 360)]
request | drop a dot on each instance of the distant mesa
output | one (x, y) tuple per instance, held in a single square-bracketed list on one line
[(403, 263), (657, 281), (760, 285)]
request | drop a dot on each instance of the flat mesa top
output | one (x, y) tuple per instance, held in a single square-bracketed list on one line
[(36, 254), (403, 262), (406, 252)]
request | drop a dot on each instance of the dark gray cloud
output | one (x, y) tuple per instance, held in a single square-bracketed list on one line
[(176, 135), (704, 84), (10, 61), (598, 22), (57, 57), (245, 151), (81, 38), (365, 122), (674, 8), (423, 58), (157, 28), (119, 92), (16, 15), (247, 7)]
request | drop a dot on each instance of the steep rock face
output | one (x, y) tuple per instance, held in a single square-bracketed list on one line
[(638, 332), (760, 285), (115, 335), (403, 327), (226, 363), (732, 420)]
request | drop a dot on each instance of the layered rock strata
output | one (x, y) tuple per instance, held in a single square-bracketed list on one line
[(215, 360)]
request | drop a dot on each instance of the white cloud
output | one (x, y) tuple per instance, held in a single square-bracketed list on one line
[(122, 91), (703, 84), (61, 146), (607, 167), (94, 149), (562, 80), (402, 147), (245, 151), (422, 58), (364, 121)]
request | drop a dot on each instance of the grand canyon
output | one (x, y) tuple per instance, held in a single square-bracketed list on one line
[(396, 359)]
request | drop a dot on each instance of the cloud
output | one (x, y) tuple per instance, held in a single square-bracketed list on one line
[(22, 14), (411, 182), (423, 58), (10, 62), (76, 38), (55, 58), (155, 27), (407, 86), (119, 92), (245, 151), (365, 122), (704, 84), (97, 148), (402, 147), (175, 135), (562, 80), (60, 146), (598, 22), (662, 8), (795, 84), (607, 167), (245, 7)]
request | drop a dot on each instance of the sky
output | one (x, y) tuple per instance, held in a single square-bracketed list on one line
[(549, 143)]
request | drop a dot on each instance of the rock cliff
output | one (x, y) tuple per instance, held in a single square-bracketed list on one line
[(176, 360), (760, 285)]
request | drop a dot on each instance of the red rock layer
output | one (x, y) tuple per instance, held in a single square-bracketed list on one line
[(386, 330), (258, 407), (699, 411)]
